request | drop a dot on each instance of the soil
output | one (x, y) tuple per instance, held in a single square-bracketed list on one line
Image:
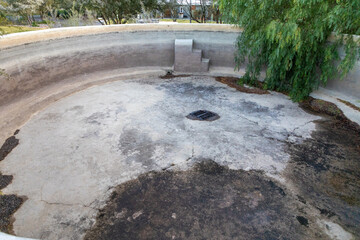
[(170, 75), (349, 104), (8, 146), (9, 204), (324, 108), (207, 202), (325, 170), (5, 180), (233, 82), (213, 202)]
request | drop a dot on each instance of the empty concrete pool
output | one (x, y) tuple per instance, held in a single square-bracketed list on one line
[(98, 143)]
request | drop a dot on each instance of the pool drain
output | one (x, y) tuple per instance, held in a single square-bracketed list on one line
[(203, 115)]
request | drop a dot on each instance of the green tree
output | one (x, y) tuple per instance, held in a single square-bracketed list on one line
[(291, 37), (3, 19), (114, 11), (215, 11), (202, 9), (170, 5), (25, 8)]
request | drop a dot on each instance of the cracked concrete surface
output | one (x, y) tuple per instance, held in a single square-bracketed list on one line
[(73, 153)]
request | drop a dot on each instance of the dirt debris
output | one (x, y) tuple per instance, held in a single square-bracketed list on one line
[(9, 204), (209, 201), (234, 83)]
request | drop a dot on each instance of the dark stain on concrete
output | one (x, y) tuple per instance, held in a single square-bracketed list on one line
[(349, 104), (254, 109), (8, 146), (170, 75), (325, 170), (96, 118), (208, 202), (189, 90), (138, 147), (303, 221), (236, 83), (77, 109), (5, 180), (328, 109), (279, 107), (9, 204)]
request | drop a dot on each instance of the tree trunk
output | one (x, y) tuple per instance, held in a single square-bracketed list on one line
[(103, 17), (102, 23), (29, 19)]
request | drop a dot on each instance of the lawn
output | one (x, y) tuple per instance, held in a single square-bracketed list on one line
[(17, 29)]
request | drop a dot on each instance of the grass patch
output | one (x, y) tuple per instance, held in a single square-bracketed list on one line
[(17, 29)]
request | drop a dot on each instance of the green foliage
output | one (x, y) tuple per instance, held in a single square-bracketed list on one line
[(170, 6), (290, 39), (113, 11)]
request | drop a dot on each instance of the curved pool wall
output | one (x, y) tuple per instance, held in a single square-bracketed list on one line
[(50, 64), (37, 59), (44, 63), (38, 62)]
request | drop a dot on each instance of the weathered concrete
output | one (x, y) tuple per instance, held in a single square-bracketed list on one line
[(40, 64), (73, 153), (17, 39), (44, 62), (76, 150), (188, 59)]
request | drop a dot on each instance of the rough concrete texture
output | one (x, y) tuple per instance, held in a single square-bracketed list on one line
[(76, 151), (14, 115), (188, 59), (208, 202), (17, 39), (324, 171), (41, 64)]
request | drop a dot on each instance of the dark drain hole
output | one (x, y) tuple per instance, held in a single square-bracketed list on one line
[(203, 115)]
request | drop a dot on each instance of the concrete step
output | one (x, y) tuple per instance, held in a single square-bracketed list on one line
[(196, 55), (205, 63), (188, 59), (184, 45)]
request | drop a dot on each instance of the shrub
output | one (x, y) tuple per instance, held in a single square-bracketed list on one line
[(290, 38)]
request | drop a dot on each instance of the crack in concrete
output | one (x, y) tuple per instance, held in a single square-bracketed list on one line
[(66, 204), (252, 121), (303, 125), (71, 204)]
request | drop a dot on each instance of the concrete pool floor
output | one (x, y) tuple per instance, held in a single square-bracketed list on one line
[(122, 161)]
